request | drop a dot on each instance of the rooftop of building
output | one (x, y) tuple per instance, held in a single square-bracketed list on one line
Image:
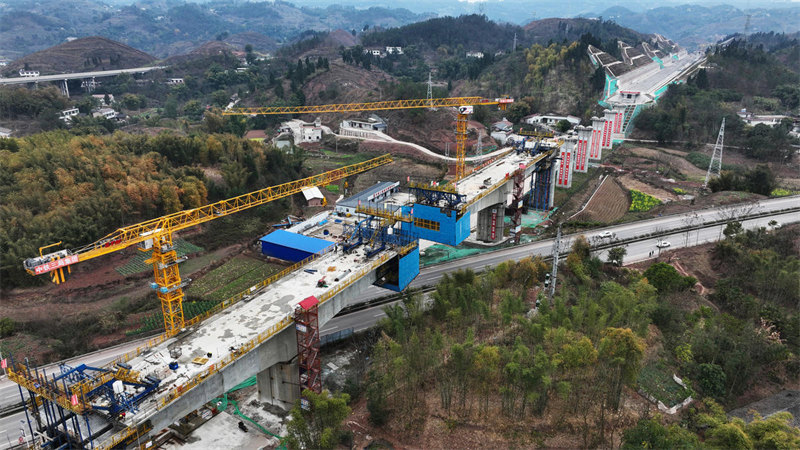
[(312, 193), (295, 240)]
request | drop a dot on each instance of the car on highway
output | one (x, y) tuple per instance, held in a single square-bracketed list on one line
[(605, 234), (774, 225), (662, 244)]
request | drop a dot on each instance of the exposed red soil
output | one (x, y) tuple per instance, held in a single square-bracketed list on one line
[(608, 204)]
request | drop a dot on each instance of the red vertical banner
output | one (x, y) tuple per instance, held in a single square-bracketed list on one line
[(568, 169), (618, 123), (494, 224)]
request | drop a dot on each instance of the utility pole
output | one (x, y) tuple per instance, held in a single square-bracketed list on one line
[(514, 47), (715, 165), (556, 250)]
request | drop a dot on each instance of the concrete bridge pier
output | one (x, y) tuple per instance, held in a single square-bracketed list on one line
[(279, 384), (64, 89), (490, 223)]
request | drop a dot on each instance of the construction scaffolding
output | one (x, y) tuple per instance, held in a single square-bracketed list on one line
[(306, 319)]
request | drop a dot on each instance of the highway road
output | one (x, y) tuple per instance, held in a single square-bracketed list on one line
[(76, 76), (637, 251)]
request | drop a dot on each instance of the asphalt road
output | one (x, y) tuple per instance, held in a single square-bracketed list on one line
[(637, 251)]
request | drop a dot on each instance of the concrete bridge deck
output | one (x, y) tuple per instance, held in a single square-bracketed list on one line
[(246, 339)]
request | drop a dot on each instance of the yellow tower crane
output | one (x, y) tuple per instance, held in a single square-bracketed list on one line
[(464, 105), (156, 236)]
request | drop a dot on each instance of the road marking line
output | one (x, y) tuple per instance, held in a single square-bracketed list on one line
[(331, 328), (378, 315)]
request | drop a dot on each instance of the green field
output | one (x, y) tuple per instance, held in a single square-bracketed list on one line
[(224, 282), (230, 278), (656, 380), (137, 265)]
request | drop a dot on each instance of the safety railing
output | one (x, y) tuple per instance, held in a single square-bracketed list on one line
[(45, 389), (383, 213), (124, 435), (266, 282), (139, 350), (441, 188)]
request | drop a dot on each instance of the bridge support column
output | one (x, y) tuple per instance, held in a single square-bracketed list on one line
[(543, 185), (490, 223), (64, 89), (279, 385)]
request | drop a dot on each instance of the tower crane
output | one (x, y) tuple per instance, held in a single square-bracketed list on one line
[(155, 236), (464, 104)]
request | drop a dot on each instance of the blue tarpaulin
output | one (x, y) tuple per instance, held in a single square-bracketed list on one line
[(290, 246)]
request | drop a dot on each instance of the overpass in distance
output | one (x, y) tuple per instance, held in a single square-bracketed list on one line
[(76, 75)]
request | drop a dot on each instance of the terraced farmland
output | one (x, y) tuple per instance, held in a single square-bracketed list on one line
[(608, 205), (234, 276), (137, 265)]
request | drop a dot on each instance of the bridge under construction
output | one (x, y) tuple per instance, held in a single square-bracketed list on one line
[(272, 329)]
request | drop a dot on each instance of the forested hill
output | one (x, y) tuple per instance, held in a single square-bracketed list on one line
[(692, 24), (472, 32), (82, 55), (76, 189), (557, 30), (477, 33)]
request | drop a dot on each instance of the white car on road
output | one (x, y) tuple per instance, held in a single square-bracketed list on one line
[(605, 234), (662, 244)]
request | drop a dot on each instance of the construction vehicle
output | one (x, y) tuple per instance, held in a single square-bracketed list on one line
[(465, 107), (155, 236)]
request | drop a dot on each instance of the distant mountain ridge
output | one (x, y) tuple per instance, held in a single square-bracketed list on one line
[(558, 29), (164, 28), (695, 25)]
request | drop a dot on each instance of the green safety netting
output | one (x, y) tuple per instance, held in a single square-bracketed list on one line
[(223, 402)]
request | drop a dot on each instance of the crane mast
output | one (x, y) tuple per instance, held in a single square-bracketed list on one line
[(464, 104), (155, 235)]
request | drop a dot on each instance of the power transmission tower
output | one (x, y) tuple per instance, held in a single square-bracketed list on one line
[(479, 147), (746, 27), (715, 166), (554, 274)]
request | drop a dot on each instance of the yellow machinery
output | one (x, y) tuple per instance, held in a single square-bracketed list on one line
[(464, 105), (156, 236)]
